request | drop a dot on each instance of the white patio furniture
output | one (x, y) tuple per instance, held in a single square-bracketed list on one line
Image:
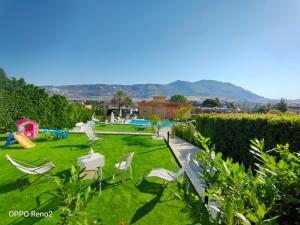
[(124, 165), (30, 169), (79, 126), (92, 164), (91, 135), (90, 124), (167, 175), (94, 119)]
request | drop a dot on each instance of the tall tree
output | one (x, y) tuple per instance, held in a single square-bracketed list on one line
[(119, 98), (179, 98), (211, 103), (282, 106), (127, 101)]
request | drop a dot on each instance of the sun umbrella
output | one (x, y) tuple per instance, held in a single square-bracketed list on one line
[(112, 117)]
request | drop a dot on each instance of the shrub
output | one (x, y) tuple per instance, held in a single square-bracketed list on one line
[(231, 133), (73, 194), (269, 195)]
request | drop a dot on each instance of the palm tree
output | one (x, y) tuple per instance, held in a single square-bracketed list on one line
[(119, 98), (181, 113), (127, 101), (155, 123)]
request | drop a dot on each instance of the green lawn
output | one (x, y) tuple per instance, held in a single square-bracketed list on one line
[(144, 204), (122, 128)]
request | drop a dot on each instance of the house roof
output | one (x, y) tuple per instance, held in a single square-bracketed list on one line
[(25, 120)]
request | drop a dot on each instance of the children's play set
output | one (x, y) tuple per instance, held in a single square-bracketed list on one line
[(28, 129)]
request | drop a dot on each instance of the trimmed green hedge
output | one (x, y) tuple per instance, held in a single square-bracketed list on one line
[(231, 132)]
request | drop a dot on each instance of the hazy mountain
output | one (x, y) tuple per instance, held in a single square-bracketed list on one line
[(203, 88)]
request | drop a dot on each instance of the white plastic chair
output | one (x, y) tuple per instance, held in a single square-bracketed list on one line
[(91, 135), (124, 165)]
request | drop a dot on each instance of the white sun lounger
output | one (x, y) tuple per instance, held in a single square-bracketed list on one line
[(31, 170), (167, 175)]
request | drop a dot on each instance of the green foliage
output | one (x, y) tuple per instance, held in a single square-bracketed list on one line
[(186, 132), (121, 99), (271, 194), (231, 132), (262, 108), (179, 98), (282, 106), (19, 100), (100, 113), (74, 195), (155, 123), (211, 103), (181, 113)]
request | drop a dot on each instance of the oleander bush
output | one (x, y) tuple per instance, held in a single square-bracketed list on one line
[(231, 132)]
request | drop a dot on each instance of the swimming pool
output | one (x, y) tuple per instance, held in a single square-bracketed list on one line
[(147, 123)]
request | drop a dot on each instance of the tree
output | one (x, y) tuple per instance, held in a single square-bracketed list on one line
[(211, 103), (155, 123), (121, 99), (181, 113), (179, 98), (282, 106), (118, 98), (262, 108), (127, 101), (19, 100)]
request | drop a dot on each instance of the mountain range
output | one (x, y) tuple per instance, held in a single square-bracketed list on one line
[(202, 88)]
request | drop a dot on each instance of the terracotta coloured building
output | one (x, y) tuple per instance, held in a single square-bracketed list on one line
[(160, 107)]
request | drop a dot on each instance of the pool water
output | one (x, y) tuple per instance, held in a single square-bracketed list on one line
[(147, 123)]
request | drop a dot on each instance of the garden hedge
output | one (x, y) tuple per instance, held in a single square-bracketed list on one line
[(231, 132)]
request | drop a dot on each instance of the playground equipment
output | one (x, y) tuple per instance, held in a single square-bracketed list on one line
[(28, 127), (10, 140), (17, 137)]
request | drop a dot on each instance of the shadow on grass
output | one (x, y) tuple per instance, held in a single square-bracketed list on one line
[(40, 139), (145, 142), (50, 205), (73, 147), (5, 188), (152, 188), (153, 150), (45, 202), (141, 129)]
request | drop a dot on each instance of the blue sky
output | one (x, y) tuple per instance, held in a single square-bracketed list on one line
[(254, 44)]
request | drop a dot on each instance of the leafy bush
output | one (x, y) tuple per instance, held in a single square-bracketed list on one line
[(186, 132), (269, 195), (231, 133), (74, 196)]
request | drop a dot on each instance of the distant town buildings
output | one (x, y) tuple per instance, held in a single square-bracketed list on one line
[(160, 107), (295, 109)]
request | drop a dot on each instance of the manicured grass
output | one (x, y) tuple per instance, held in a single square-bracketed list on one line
[(144, 204), (122, 128)]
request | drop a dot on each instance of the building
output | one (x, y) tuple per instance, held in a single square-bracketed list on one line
[(160, 107), (295, 109)]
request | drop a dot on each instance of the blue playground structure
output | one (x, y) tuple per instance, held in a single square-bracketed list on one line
[(10, 140)]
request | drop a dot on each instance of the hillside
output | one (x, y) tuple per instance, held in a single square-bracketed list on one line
[(203, 88)]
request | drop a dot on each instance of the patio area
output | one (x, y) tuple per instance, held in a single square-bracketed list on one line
[(142, 204)]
